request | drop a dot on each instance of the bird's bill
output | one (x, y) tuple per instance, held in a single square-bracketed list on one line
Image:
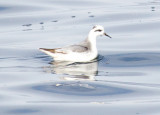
[(107, 35)]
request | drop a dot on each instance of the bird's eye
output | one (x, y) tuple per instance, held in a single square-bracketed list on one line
[(98, 30)]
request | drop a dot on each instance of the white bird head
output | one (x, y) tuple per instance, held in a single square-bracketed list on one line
[(98, 31)]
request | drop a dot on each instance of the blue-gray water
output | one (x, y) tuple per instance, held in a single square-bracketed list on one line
[(124, 80)]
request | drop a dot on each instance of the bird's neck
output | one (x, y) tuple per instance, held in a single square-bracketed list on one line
[(92, 40)]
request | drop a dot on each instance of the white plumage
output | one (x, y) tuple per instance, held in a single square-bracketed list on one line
[(82, 52)]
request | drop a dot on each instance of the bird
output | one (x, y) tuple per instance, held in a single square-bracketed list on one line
[(84, 51)]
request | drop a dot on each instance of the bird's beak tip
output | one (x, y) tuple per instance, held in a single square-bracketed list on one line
[(107, 35)]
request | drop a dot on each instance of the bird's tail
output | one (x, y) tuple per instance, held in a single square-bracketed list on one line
[(47, 50)]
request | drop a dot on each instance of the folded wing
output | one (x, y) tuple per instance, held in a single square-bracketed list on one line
[(68, 49)]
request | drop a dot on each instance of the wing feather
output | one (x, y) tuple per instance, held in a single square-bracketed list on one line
[(82, 47)]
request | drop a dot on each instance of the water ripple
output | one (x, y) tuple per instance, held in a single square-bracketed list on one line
[(82, 89)]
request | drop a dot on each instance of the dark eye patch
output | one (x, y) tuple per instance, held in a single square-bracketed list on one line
[(98, 30)]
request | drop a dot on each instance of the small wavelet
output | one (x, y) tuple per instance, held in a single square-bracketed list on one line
[(55, 21), (91, 16), (27, 25)]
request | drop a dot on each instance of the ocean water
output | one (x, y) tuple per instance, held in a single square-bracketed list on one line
[(124, 80)]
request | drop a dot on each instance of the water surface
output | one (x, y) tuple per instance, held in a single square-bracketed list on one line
[(124, 79)]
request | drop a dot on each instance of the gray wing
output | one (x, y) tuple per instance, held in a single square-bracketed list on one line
[(79, 48), (73, 48)]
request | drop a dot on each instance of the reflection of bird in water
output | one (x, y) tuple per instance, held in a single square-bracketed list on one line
[(82, 52), (76, 71)]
